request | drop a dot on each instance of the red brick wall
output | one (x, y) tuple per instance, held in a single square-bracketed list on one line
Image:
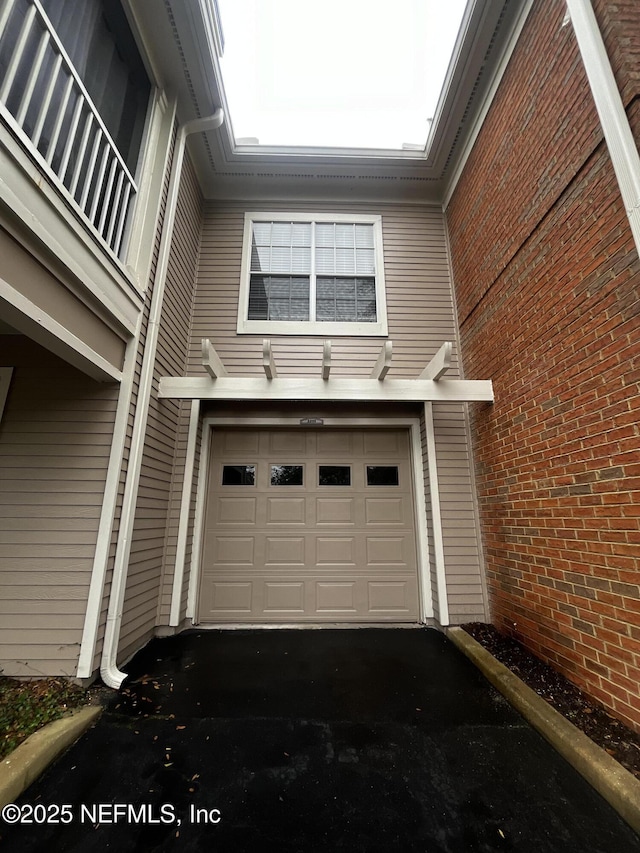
[(548, 287)]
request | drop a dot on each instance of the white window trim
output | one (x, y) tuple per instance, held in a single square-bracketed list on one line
[(309, 327)]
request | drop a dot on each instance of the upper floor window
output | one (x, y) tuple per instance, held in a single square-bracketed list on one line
[(312, 274)]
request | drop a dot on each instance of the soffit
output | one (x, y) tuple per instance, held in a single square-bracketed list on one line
[(179, 41)]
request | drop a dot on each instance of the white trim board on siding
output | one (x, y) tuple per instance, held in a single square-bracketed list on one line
[(422, 546), (309, 388)]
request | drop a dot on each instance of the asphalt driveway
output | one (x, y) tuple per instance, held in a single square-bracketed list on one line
[(372, 740)]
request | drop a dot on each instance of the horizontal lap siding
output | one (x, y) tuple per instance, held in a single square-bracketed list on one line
[(55, 439), (418, 296), (420, 318), (548, 287), (153, 548)]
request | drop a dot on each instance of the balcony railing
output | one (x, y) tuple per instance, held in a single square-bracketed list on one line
[(42, 94)]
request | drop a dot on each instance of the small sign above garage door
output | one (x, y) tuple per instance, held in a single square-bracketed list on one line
[(309, 525)]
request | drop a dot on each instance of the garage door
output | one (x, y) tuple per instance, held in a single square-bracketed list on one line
[(309, 525)]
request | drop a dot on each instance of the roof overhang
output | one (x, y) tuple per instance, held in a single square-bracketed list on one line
[(182, 46)]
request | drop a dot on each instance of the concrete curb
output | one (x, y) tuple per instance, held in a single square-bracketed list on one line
[(620, 788), (21, 767)]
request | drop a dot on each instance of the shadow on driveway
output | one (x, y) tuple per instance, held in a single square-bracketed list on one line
[(372, 740)]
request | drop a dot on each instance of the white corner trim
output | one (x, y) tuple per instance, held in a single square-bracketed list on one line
[(185, 507), (198, 523), (438, 539), (422, 539), (613, 117), (422, 535), (488, 100), (5, 381)]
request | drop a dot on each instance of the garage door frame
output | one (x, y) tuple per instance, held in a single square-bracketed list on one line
[(209, 424)]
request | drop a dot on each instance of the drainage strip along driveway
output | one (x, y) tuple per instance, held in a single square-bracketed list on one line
[(314, 740)]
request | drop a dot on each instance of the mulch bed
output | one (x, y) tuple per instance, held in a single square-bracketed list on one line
[(608, 732)]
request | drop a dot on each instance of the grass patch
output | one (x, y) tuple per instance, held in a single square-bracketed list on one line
[(26, 706)]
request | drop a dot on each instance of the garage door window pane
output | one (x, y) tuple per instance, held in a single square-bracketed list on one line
[(382, 475), (239, 475), (334, 475), (286, 475)]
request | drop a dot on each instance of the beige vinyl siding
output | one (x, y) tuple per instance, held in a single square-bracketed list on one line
[(419, 307), (155, 529), (55, 438), (420, 316), (465, 593)]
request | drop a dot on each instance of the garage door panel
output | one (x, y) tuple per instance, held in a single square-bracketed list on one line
[(287, 442), (336, 597), (385, 511), (335, 551), (339, 548), (285, 550), (383, 442), (284, 598), (235, 442), (335, 444), (288, 511), (386, 551), (392, 595), (236, 511), (229, 597), (331, 511)]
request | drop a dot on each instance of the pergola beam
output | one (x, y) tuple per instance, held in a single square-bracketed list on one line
[(308, 388)]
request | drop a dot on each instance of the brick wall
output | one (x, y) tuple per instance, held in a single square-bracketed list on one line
[(548, 287)]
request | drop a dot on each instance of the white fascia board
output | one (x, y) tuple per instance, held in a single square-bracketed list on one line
[(310, 388), (44, 222)]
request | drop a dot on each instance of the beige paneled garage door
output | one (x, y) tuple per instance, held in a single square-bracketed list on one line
[(309, 525)]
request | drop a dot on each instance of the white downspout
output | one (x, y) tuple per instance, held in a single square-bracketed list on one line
[(109, 671)]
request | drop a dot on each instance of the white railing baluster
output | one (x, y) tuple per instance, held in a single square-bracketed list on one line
[(106, 199), (81, 152), (21, 114), (124, 209), (117, 199), (57, 127), (88, 178), (100, 182), (5, 11), (21, 43), (97, 193), (46, 101)]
